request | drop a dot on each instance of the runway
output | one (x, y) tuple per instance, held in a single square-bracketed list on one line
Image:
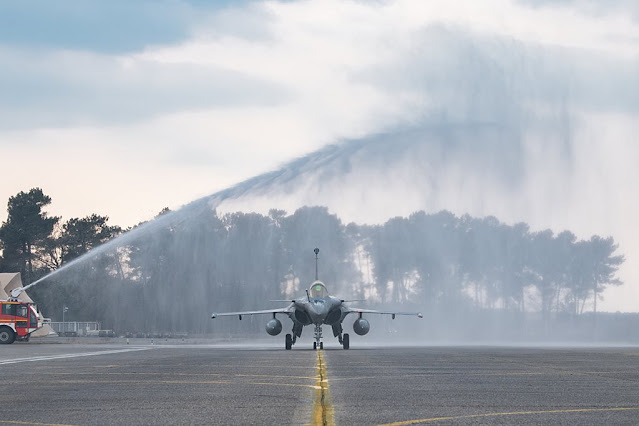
[(485, 385), (86, 384)]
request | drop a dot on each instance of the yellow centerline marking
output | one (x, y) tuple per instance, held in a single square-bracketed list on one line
[(513, 413), (323, 413)]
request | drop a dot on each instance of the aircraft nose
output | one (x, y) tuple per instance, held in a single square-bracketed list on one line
[(318, 308)]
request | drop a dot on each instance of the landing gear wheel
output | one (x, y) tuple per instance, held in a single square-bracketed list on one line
[(289, 342), (346, 341), (7, 336), (321, 345), (314, 346)]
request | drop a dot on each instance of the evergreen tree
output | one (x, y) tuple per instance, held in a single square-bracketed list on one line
[(26, 233)]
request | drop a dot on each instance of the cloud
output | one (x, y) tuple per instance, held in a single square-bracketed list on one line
[(590, 7), (115, 26), (488, 107), (52, 89), (389, 61)]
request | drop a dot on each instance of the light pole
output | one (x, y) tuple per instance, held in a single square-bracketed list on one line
[(64, 310)]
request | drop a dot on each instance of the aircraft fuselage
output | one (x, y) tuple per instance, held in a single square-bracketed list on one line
[(318, 311)]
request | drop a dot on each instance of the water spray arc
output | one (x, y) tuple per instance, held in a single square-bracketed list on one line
[(262, 183), (169, 219), (327, 158)]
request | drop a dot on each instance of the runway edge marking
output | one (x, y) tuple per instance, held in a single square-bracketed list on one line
[(323, 413), (514, 413), (70, 355)]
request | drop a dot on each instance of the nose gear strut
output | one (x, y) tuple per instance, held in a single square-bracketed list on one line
[(318, 337)]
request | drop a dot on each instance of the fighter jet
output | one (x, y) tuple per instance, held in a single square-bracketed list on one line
[(317, 308)]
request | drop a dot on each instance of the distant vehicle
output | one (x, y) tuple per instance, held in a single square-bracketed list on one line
[(317, 308), (17, 320)]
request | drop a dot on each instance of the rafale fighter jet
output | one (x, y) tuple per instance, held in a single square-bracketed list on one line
[(317, 308)]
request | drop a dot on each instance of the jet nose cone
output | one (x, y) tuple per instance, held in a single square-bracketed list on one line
[(318, 308)]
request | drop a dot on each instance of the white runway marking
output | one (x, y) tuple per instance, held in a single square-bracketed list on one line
[(63, 356)]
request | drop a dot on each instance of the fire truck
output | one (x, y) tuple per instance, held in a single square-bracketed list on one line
[(18, 320)]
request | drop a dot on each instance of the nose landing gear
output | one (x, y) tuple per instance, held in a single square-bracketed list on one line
[(318, 337)]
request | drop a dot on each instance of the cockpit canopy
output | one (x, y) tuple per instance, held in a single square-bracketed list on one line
[(317, 290)]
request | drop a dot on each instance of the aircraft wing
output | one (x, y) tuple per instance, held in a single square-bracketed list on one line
[(372, 311), (267, 311)]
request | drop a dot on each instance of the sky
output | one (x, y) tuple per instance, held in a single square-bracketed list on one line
[(526, 110)]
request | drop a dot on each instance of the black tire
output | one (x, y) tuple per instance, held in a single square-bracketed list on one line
[(289, 342), (314, 346), (321, 345), (7, 336), (346, 341)]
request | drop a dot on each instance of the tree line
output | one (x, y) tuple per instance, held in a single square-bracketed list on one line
[(170, 279)]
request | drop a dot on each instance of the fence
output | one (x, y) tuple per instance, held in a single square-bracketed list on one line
[(76, 328)]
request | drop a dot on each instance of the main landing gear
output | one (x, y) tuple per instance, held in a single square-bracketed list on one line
[(289, 342), (344, 339), (292, 338)]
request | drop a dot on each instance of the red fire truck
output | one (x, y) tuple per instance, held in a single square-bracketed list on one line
[(17, 320)]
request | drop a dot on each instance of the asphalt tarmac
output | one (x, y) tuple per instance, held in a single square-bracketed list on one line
[(86, 384)]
